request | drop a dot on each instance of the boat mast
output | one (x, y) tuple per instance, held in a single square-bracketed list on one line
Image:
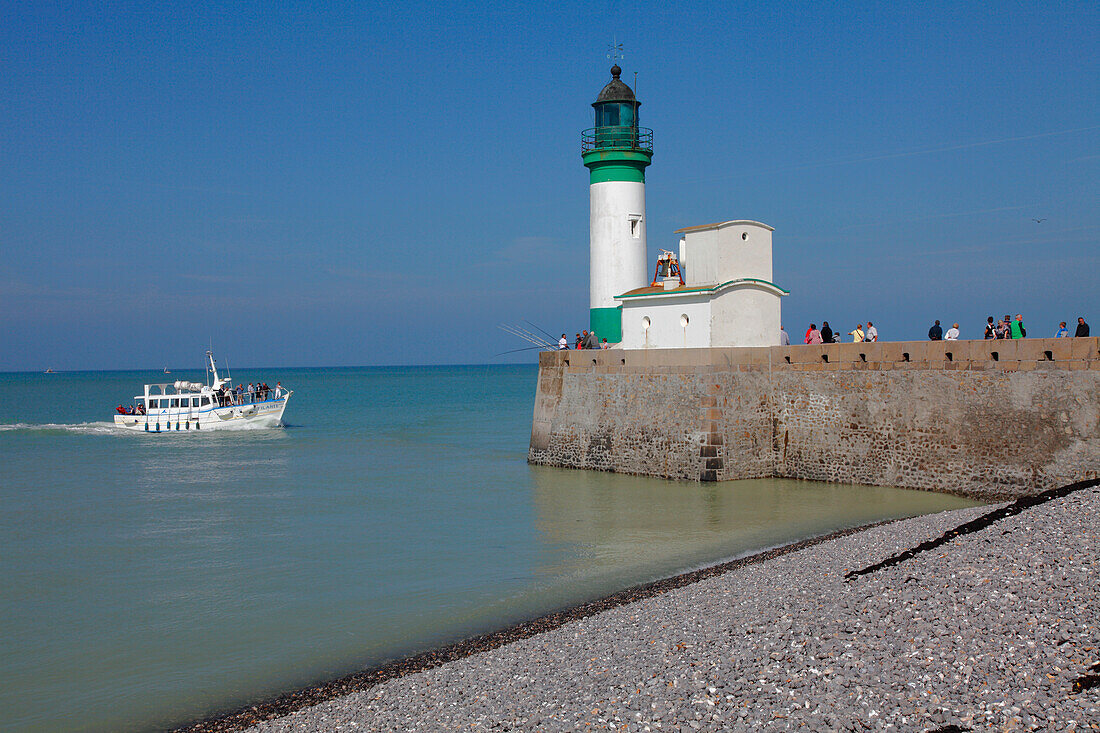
[(213, 368)]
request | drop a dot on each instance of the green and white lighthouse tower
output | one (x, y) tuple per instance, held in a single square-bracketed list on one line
[(616, 152)]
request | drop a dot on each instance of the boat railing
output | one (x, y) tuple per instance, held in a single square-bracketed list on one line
[(230, 398), (244, 397)]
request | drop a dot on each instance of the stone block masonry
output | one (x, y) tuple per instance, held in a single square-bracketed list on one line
[(987, 419)]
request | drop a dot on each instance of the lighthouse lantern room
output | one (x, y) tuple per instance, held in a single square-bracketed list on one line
[(616, 152)]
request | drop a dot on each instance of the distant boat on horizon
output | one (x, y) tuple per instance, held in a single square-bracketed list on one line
[(166, 370), (49, 370)]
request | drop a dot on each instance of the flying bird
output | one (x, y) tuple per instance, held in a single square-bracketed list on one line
[(1039, 221)]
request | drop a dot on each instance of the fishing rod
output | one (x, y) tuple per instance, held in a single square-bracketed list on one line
[(516, 332), (552, 338), (525, 348), (526, 335), (535, 338)]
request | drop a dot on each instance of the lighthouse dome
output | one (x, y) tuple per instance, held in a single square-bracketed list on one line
[(616, 90)]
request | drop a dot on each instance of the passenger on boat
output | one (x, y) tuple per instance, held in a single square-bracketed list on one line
[(278, 390), (121, 410)]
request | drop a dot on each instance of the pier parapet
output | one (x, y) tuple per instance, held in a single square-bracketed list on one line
[(989, 419)]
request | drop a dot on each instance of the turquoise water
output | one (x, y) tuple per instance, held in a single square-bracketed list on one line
[(153, 579)]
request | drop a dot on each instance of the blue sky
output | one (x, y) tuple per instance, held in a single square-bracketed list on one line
[(355, 183)]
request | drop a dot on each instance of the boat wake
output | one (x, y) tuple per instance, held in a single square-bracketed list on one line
[(109, 428), (101, 427)]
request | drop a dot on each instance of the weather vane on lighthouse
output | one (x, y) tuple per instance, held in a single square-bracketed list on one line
[(615, 50)]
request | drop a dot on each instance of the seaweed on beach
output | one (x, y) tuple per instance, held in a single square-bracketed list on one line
[(975, 525), (1087, 681)]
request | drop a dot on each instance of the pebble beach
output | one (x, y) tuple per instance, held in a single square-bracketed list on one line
[(992, 626)]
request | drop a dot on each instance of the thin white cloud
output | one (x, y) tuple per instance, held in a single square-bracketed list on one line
[(906, 153), (962, 146), (931, 217)]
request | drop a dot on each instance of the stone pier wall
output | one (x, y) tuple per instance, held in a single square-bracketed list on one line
[(989, 419)]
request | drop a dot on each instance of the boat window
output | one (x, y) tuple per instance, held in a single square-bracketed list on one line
[(175, 402), (205, 401), (152, 402)]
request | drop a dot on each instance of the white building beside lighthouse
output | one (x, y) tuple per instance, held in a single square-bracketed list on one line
[(728, 297)]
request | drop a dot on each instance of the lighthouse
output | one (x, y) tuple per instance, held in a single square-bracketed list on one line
[(616, 152)]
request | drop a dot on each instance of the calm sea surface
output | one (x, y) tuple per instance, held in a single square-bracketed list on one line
[(152, 579)]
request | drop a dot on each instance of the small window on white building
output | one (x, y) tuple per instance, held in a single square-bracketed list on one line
[(635, 225), (744, 236), (684, 320), (645, 323)]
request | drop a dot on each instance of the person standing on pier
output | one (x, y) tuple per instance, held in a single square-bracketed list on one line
[(872, 333), (857, 333), (1018, 330), (1082, 327), (936, 332)]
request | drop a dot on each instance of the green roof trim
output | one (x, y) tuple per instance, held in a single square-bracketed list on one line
[(708, 289)]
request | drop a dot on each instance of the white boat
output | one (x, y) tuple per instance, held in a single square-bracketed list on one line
[(183, 406)]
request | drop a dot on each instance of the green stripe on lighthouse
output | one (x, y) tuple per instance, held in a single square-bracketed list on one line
[(606, 323), (616, 165)]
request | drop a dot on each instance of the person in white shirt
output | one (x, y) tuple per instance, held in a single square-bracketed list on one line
[(871, 334), (952, 333), (563, 343)]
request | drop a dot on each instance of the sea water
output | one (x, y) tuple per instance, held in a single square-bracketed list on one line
[(148, 580)]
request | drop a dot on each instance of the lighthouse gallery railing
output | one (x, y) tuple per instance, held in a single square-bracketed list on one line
[(617, 138)]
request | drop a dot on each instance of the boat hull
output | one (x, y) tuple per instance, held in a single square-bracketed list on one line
[(264, 414)]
